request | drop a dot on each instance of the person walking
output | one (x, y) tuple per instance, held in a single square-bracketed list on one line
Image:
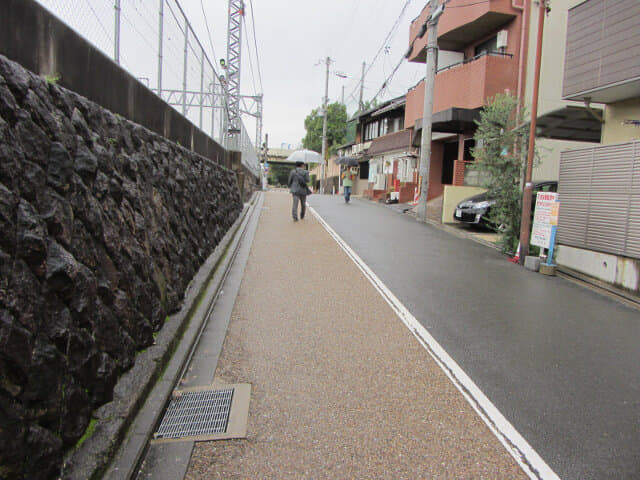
[(298, 180), (348, 176)]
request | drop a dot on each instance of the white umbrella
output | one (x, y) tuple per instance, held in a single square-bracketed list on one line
[(305, 156)]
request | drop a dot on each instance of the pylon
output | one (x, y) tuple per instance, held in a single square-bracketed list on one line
[(516, 259), (415, 196)]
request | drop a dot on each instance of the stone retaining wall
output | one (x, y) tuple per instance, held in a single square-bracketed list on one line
[(102, 225)]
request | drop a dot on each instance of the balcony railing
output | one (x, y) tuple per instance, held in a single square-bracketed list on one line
[(460, 27), (468, 84), (471, 59)]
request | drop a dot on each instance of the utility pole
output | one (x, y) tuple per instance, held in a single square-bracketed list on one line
[(324, 126), (429, 80), (525, 219), (360, 104)]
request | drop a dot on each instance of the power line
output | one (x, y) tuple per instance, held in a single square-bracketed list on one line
[(104, 30), (255, 42), (384, 43), (253, 78), (385, 84), (468, 4), (206, 22)]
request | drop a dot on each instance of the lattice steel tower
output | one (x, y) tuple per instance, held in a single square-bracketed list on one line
[(234, 35)]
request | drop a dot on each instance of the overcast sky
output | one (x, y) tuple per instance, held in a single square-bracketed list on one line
[(295, 36), (293, 39)]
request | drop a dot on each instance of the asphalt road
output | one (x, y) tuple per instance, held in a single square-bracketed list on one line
[(561, 362)]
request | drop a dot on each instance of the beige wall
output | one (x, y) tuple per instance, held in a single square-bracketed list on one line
[(359, 186), (550, 89), (614, 131), (453, 196), (548, 168), (331, 169), (553, 53)]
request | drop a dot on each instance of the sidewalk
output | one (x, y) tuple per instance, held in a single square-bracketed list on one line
[(340, 388)]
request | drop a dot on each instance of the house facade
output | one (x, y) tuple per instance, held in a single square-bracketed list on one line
[(480, 45), (388, 161), (599, 187), (487, 48)]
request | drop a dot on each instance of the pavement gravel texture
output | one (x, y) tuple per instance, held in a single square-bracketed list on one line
[(340, 388)]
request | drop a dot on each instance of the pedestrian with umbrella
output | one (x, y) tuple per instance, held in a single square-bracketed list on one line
[(348, 175), (298, 186)]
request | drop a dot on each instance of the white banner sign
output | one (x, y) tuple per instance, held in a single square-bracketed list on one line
[(545, 219)]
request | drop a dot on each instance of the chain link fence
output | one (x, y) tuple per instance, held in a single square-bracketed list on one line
[(154, 41)]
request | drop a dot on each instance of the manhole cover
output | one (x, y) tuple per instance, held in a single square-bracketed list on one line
[(193, 414)]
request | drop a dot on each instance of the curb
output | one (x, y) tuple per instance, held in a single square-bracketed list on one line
[(565, 273), (122, 427)]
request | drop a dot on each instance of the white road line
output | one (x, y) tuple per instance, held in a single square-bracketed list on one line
[(528, 459)]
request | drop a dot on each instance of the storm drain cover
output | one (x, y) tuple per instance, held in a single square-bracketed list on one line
[(212, 412), (193, 414)]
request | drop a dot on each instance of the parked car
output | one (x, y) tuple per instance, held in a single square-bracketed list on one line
[(475, 210)]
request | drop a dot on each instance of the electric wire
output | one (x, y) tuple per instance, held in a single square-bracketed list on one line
[(255, 43), (468, 4), (206, 22), (384, 43), (385, 84), (104, 30), (144, 38), (253, 77)]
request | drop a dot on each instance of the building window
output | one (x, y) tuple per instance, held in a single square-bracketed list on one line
[(405, 169), (384, 127), (371, 131)]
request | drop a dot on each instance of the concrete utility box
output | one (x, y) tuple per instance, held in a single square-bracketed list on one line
[(532, 263)]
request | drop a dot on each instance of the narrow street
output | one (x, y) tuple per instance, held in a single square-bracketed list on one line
[(559, 361)]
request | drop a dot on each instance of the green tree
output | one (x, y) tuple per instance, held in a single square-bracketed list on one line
[(279, 174), (501, 144), (369, 104), (336, 128)]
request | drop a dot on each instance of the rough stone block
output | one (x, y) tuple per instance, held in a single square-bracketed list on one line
[(532, 263)]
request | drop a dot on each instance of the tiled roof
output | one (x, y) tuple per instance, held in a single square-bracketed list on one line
[(393, 141)]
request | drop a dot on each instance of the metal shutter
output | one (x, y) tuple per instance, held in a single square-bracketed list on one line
[(599, 199)]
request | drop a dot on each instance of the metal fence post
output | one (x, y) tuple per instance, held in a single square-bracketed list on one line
[(160, 29), (213, 105), (116, 41), (184, 73), (201, 85)]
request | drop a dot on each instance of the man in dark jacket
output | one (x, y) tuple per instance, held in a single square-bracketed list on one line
[(298, 180)]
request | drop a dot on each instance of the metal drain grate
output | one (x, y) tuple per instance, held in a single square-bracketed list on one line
[(196, 413)]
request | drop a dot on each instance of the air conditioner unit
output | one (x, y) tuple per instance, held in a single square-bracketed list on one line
[(502, 39)]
